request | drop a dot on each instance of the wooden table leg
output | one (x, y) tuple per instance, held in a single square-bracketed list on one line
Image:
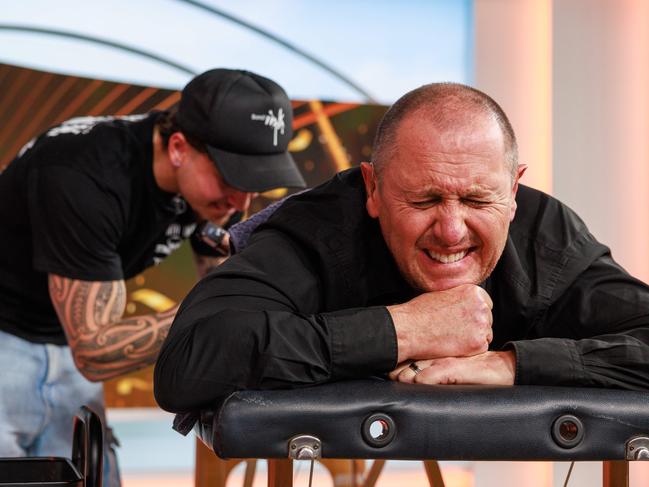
[(280, 472), (433, 473), (251, 466), (345, 473), (210, 470), (373, 473), (616, 473)]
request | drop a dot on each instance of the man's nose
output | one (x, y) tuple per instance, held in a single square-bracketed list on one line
[(449, 227)]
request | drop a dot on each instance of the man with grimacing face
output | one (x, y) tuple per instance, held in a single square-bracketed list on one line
[(444, 193), (432, 264)]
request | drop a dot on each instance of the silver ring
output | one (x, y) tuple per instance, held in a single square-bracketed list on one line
[(414, 367)]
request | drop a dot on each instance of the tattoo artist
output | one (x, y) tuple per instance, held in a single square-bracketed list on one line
[(95, 201)]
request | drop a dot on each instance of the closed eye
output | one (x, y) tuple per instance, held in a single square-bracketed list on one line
[(424, 203), (475, 202), (430, 202)]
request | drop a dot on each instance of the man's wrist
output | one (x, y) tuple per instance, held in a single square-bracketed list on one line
[(508, 359), (399, 319)]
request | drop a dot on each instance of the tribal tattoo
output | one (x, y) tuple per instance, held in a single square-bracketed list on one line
[(103, 343)]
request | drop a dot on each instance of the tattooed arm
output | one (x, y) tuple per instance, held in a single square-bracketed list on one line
[(104, 344)]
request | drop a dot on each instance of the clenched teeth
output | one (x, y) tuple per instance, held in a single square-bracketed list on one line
[(447, 258)]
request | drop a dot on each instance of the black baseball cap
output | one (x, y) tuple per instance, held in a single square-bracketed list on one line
[(245, 122)]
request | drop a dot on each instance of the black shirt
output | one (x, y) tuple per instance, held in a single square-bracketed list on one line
[(304, 304), (81, 201)]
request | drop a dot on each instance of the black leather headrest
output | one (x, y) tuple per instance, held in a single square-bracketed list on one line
[(430, 422)]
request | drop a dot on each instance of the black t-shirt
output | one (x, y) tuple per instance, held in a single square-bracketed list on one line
[(81, 201)]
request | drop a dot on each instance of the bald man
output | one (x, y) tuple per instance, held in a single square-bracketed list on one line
[(431, 264)]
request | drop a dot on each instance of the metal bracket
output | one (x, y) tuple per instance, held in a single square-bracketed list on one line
[(637, 448), (304, 447)]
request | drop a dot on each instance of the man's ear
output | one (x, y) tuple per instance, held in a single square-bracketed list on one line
[(521, 170), (176, 149), (371, 188)]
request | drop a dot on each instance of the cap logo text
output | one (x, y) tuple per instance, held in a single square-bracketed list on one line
[(275, 122)]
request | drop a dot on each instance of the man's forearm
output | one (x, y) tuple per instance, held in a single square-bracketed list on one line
[(104, 344), (254, 344), (123, 346), (257, 325)]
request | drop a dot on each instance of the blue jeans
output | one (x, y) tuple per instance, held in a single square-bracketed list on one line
[(40, 392)]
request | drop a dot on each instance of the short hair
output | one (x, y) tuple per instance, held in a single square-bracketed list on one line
[(464, 100), (167, 124)]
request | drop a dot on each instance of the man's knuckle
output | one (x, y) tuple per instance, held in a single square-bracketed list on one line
[(482, 321), (477, 343)]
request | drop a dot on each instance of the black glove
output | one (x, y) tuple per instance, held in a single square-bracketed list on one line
[(208, 240)]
